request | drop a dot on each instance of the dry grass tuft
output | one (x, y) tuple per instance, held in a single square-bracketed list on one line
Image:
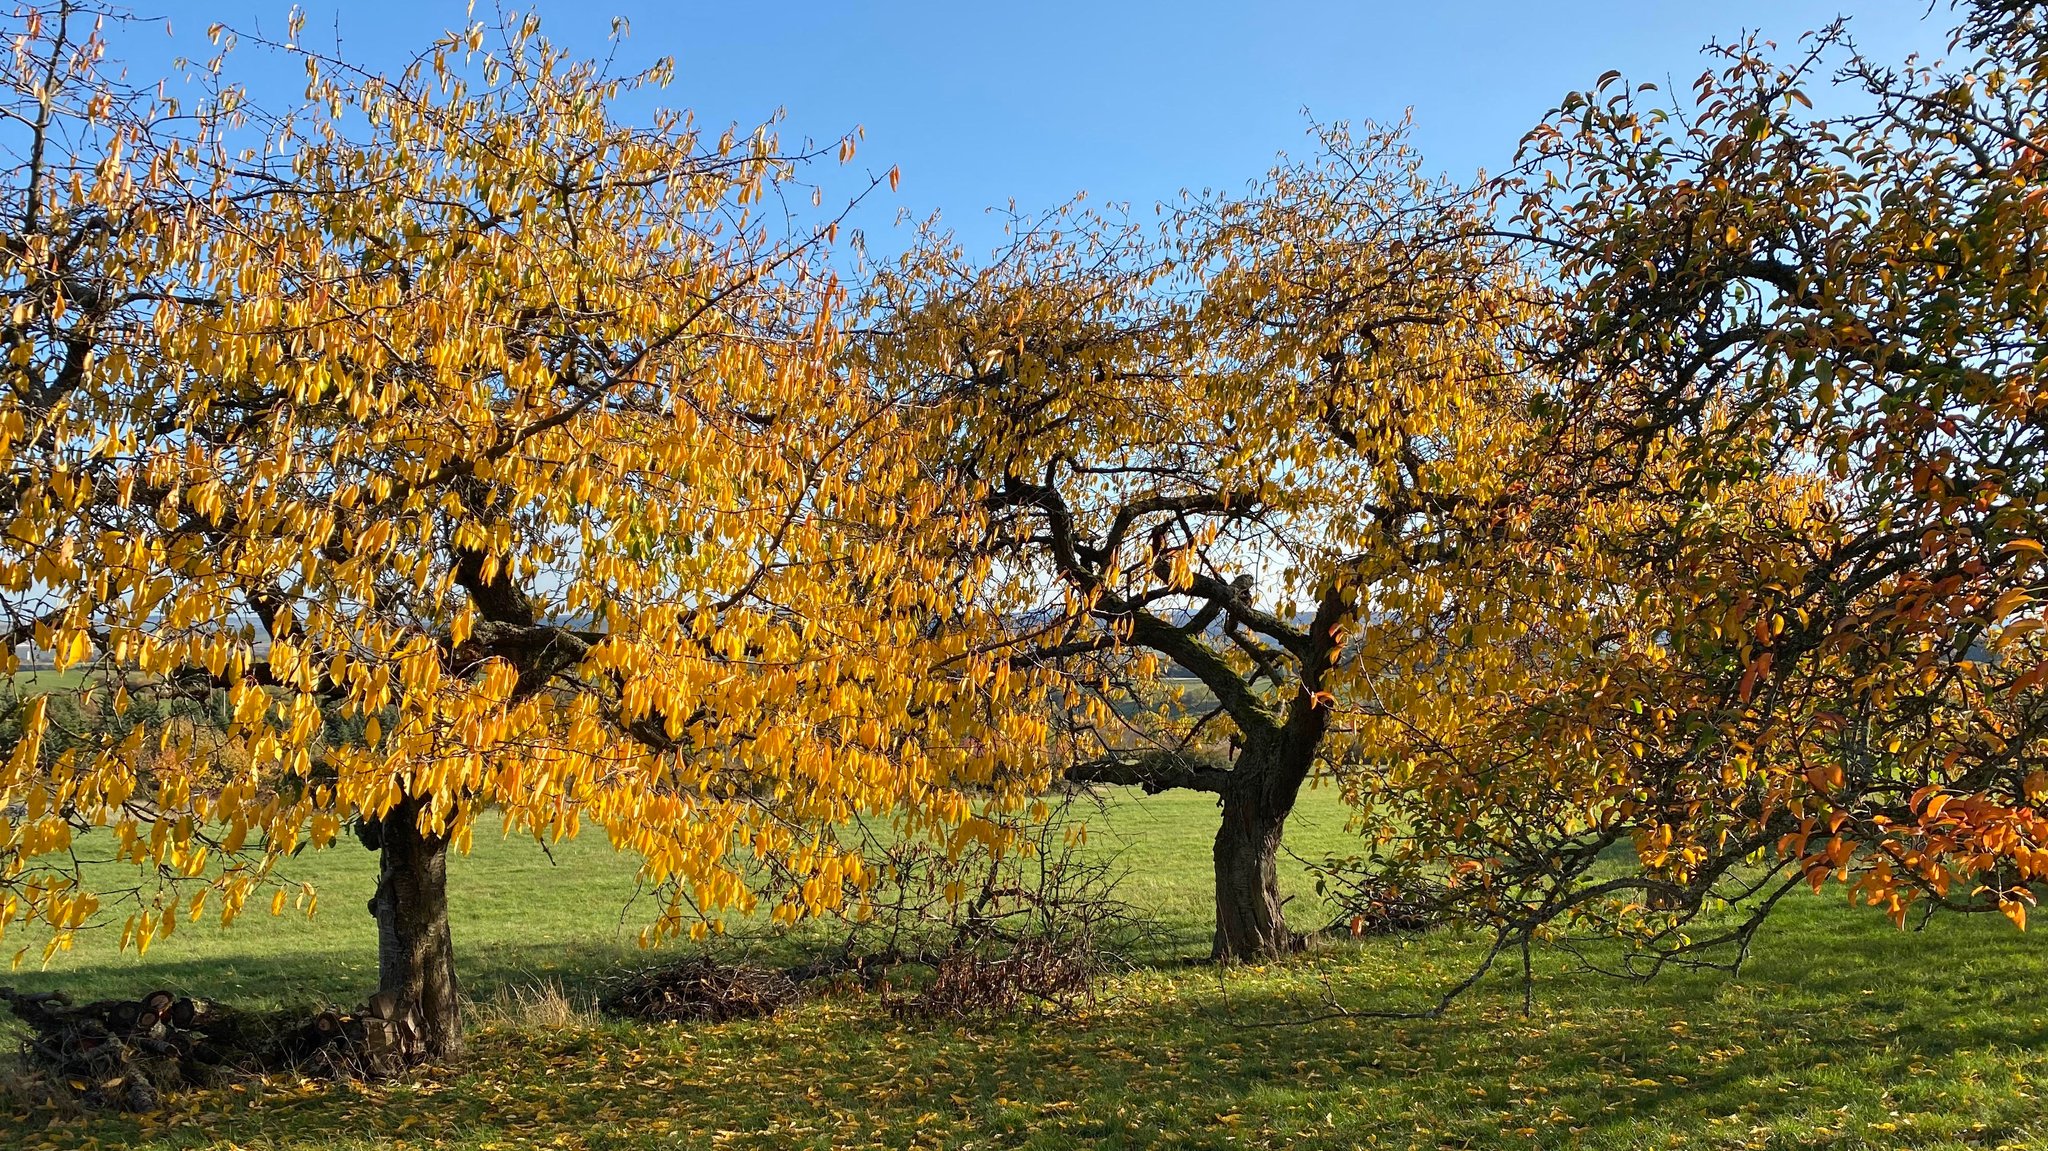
[(542, 1004)]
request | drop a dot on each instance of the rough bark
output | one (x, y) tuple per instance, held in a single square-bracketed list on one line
[(1250, 923), (415, 952), (1262, 787)]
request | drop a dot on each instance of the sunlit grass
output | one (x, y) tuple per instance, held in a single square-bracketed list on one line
[(1842, 1032)]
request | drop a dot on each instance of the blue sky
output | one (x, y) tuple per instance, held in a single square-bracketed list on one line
[(981, 103)]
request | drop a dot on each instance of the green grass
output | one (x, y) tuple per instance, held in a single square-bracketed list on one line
[(1162, 844), (45, 680), (521, 914), (1842, 1032), (518, 915)]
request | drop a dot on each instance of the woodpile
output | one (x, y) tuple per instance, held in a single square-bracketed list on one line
[(125, 1055)]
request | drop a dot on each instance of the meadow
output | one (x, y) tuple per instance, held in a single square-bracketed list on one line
[(1841, 1032)]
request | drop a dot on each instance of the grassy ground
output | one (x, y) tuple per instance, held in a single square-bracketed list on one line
[(31, 682), (1841, 1033), (522, 915)]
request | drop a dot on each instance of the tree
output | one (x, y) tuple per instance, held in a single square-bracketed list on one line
[(1222, 472), (1845, 315), (506, 428)]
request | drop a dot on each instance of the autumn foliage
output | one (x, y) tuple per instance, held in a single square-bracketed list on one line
[(1654, 527), (452, 407), (1803, 350), (1235, 457)]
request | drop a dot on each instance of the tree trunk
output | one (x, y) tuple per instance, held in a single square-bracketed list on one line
[(1250, 925), (415, 953)]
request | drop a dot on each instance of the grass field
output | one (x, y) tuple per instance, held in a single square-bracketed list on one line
[(1841, 1033)]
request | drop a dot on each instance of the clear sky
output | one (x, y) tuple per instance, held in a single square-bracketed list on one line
[(979, 103)]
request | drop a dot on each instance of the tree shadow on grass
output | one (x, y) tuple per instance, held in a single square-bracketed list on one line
[(1835, 1032), (335, 976)]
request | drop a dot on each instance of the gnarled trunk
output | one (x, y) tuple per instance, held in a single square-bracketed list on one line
[(415, 953), (1250, 924)]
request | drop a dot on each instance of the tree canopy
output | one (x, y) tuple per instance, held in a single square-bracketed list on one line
[(1236, 458), (1838, 320), (1653, 527), (452, 404)]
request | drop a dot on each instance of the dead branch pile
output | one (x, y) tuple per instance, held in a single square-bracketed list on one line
[(1029, 929), (1044, 974), (125, 1055), (699, 990), (941, 932)]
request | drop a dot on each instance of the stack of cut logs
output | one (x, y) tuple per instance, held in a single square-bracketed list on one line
[(126, 1054)]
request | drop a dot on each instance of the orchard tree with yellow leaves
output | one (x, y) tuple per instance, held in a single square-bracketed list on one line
[(1230, 475), (451, 412), (1810, 346)]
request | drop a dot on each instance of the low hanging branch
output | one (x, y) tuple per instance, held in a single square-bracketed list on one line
[(1154, 771)]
